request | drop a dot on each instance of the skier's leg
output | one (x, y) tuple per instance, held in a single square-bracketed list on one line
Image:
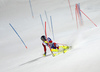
[(54, 50), (55, 47)]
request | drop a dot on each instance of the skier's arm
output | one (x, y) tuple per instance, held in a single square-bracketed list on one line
[(49, 40), (56, 45)]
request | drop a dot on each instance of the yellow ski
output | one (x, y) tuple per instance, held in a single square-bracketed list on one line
[(62, 49)]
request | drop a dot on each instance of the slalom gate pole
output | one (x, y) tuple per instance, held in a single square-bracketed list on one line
[(42, 22), (18, 35), (47, 40), (88, 18), (81, 20), (52, 27), (77, 9), (47, 20), (76, 17), (31, 8), (70, 9), (45, 30)]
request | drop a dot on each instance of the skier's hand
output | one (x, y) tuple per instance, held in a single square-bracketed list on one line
[(45, 41)]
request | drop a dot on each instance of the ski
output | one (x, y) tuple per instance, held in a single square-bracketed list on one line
[(62, 51), (56, 52)]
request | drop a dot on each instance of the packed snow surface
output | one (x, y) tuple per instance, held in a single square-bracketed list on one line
[(85, 40)]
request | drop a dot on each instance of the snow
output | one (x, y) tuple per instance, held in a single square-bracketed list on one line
[(14, 57)]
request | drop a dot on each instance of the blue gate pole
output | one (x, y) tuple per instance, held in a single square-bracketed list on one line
[(18, 35)]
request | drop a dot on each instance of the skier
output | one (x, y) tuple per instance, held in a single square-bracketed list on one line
[(49, 42)]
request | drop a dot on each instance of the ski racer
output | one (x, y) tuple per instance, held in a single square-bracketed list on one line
[(48, 42)]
